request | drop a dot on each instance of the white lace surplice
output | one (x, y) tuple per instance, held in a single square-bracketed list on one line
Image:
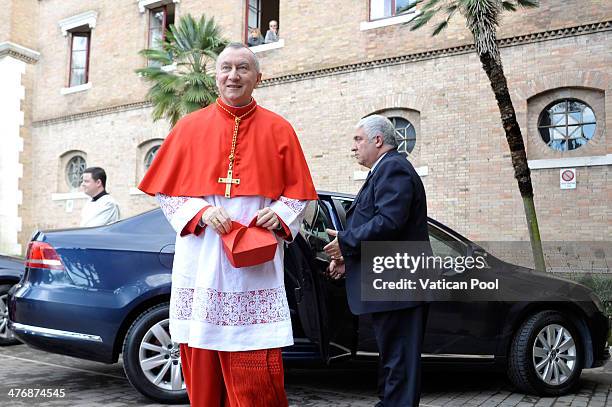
[(214, 305)]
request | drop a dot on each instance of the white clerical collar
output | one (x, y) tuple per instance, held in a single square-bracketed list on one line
[(377, 161)]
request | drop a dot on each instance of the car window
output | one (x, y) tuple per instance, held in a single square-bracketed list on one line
[(316, 220), (345, 202), (444, 245)]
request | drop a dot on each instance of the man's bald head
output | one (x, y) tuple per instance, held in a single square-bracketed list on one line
[(247, 51)]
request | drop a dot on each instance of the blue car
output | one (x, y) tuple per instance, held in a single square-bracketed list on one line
[(11, 270), (101, 293)]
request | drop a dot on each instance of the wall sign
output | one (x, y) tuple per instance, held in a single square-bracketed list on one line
[(567, 178)]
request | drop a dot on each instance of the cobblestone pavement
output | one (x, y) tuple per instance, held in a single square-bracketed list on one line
[(94, 384)]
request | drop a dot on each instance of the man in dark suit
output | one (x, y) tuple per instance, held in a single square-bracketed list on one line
[(390, 206)]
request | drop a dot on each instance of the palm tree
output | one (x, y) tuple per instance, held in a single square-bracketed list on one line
[(181, 68), (482, 19)]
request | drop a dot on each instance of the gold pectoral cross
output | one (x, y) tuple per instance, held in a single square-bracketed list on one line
[(228, 182)]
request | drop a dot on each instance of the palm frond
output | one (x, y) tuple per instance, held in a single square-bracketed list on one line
[(528, 3), (450, 12), (508, 6), (441, 26), (192, 46), (429, 5), (170, 83), (195, 78), (515, 4), (195, 94), (422, 19), (157, 55), (183, 33)]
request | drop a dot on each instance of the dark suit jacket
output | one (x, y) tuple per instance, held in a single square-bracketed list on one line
[(391, 206)]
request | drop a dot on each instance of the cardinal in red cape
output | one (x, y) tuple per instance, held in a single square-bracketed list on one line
[(233, 161)]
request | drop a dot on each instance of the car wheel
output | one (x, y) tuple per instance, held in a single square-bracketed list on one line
[(6, 335), (151, 359), (546, 356)]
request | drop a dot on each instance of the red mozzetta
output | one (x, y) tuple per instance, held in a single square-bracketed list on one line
[(268, 159)]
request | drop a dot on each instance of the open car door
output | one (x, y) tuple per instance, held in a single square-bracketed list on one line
[(321, 302)]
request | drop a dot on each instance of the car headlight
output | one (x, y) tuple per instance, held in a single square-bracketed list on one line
[(597, 301)]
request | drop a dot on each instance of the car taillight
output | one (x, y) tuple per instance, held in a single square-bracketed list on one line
[(43, 256)]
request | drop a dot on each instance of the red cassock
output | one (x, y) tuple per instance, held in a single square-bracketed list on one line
[(269, 160), (234, 379)]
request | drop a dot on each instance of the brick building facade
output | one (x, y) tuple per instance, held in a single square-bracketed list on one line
[(329, 69)]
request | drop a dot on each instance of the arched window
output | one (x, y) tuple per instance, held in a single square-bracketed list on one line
[(149, 156), (74, 171), (567, 124), (405, 134)]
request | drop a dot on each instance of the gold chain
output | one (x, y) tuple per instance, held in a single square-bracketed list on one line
[(237, 120)]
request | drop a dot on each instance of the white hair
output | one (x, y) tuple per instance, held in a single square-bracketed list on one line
[(239, 45), (376, 124)]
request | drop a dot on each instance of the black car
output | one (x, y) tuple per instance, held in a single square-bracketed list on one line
[(11, 270), (97, 293)]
